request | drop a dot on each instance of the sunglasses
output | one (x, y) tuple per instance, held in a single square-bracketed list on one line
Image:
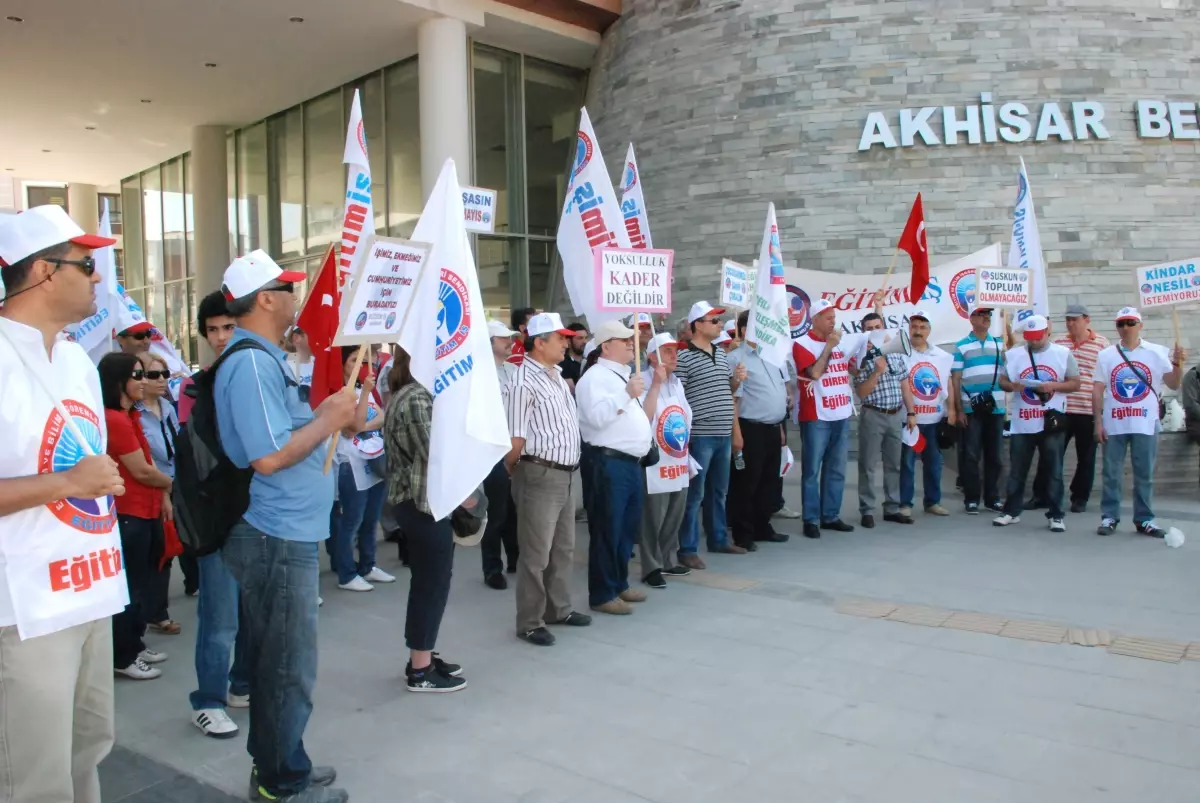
[(710, 320), (158, 374), (139, 335), (138, 375), (281, 288), (86, 264), (1123, 324)]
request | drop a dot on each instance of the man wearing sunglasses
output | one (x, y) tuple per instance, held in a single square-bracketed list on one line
[(56, 650), (136, 339)]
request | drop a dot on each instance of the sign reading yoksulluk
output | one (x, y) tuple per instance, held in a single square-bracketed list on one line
[(633, 279)]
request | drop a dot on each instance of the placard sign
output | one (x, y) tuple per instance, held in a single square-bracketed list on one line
[(381, 291), (1004, 287), (737, 284), (633, 279), (479, 209), (1169, 283)]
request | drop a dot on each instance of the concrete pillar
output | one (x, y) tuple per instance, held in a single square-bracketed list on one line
[(444, 84), (208, 185), (84, 205)]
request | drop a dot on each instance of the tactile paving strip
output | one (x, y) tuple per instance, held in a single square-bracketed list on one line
[(975, 622), (1034, 631), (869, 608), (920, 615), (1088, 637), (1193, 652), (1152, 649)]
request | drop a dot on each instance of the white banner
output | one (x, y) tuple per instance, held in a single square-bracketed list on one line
[(1025, 250), (358, 222), (947, 299), (1168, 283), (633, 204), (479, 209), (769, 322), (95, 334), (591, 218), (737, 284), (447, 339)]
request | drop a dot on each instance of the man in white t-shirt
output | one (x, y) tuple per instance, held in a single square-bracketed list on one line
[(929, 384), (61, 575), (1126, 389)]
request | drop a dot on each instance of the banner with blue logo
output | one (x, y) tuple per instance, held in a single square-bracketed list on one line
[(1025, 249), (633, 204)]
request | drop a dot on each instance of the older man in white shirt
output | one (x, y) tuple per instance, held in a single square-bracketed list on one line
[(615, 426)]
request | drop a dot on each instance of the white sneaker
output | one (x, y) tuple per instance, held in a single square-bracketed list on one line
[(378, 575), (139, 670), (214, 722), (152, 656), (786, 512), (320, 601), (1058, 526), (1005, 520), (238, 701), (357, 584)]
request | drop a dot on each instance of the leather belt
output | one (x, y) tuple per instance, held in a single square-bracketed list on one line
[(892, 411), (617, 453), (537, 461)]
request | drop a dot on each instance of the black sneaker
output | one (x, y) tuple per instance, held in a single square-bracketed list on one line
[(837, 525), (574, 619), (319, 777), (445, 667), (1151, 529), (677, 571), (811, 530), (868, 521), (898, 518), (655, 579), (1107, 526), (431, 680), (997, 506), (495, 580), (972, 508), (539, 636)]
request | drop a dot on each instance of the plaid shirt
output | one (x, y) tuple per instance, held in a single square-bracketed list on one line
[(406, 437), (887, 394)]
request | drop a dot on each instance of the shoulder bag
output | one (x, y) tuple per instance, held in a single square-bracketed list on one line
[(1162, 405), (1053, 421)]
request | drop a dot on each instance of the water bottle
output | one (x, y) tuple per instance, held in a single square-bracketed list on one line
[(739, 462)]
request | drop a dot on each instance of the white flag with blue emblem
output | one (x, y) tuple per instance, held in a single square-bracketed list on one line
[(768, 323), (95, 333), (1025, 250), (633, 204), (447, 339)]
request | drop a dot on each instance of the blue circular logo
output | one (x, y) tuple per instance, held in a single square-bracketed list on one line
[(389, 320), (798, 306), (673, 431), (1146, 288), (60, 452), (360, 321), (1022, 187), (453, 316), (1046, 374), (962, 291), (629, 177), (924, 382), (1126, 385), (583, 154)]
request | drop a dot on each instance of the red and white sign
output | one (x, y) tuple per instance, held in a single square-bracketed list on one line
[(1004, 287)]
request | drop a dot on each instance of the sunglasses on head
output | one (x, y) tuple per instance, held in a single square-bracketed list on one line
[(85, 264), (158, 374), (1123, 324)]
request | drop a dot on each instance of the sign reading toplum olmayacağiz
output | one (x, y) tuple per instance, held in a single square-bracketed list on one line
[(1014, 121)]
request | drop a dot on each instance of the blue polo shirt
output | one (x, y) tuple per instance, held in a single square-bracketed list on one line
[(257, 411)]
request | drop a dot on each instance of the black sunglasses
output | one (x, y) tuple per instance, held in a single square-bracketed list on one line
[(138, 375), (158, 374), (139, 335), (711, 320), (281, 288), (1123, 324), (86, 264)]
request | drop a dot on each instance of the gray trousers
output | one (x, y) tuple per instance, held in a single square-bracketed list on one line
[(658, 541), (879, 437), (546, 543)]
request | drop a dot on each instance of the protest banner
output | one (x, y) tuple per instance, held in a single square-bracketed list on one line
[(947, 298), (479, 210), (381, 292), (769, 326), (358, 217), (1025, 248), (1169, 284), (1002, 288), (633, 204), (737, 284), (633, 280)]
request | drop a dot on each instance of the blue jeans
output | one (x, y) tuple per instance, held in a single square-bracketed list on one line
[(931, 470), (217, 633), (709, 487), (823, 468), (360, 511), (1142, 451), (614, 520), (278, 580), (1050, 450)]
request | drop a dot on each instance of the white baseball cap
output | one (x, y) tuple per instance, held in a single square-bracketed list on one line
[(702, 308), (819, 306), (611, 330), (922, 314), (497, 329), (1129, 314), (250, 273), (546, 322), (643, 319), (1034, 327), (977, 307), (39, 228), (731, 325), (723, 338), (662, 339)]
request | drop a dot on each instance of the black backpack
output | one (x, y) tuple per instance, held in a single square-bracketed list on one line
[(210, 493)]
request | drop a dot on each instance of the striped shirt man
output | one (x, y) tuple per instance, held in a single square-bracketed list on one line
[(979, 364), (1085, 354), (705, 379), (541, 409)]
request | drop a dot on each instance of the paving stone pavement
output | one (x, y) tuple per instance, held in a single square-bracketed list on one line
[(766, 693)]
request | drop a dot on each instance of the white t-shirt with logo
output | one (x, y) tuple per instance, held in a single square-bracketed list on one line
[(1130, 405), (671, 428), (61, 563), (1028, 412), (929, 381)]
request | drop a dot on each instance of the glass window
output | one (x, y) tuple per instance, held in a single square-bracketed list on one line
[(500, 272), (287, 183), (231, 187), (174, 237), (325, 135), (253, 202), (552, 98), (131, 233), (498, 155), (189, 217), (190, 310), (541, 260), (371, 98), (175, 318), (405, 200), (152, 238)]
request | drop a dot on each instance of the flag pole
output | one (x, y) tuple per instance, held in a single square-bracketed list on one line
[(891, 266), (1175, 323), (637, 357)]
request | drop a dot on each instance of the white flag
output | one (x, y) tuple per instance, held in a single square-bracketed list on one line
[(358, 223), (591, 218), (95, 334), (1025, 250), (768, 324), (446, 337), (633, 204), (129, 313)]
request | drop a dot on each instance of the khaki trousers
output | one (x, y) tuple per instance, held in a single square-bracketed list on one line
[(658, 542), (546, 543), (56, 713)]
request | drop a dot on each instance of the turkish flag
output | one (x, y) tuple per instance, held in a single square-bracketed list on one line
[(913, 241), (319, 320)]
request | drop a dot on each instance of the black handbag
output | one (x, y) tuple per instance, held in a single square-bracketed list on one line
[(985, 403), (1053, 421), (947, 435)]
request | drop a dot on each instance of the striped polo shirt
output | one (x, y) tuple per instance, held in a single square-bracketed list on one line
[(975, 361), (705, 379), (1085, 354)]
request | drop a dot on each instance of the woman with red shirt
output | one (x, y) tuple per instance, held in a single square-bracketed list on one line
[(139, 512)]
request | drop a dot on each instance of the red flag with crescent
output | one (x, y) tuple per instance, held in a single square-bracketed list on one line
[(913, 241)]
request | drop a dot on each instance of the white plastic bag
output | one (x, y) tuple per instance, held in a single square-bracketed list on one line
[(1174, 538)]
